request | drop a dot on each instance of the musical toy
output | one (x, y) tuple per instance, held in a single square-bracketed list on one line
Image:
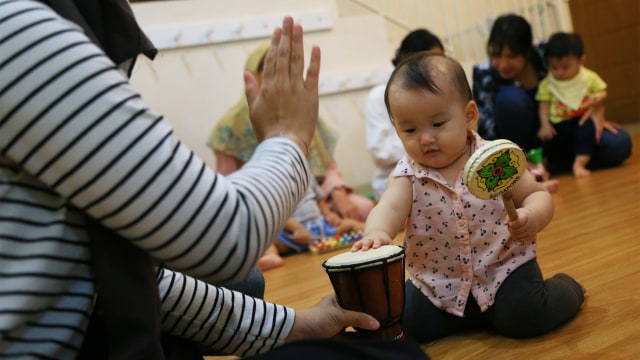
[(371, 281), (493, 169)]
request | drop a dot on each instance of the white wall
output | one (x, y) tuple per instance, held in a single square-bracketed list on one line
[(193, 86)]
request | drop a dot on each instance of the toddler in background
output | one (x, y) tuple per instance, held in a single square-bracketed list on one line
[(570, 95), (470, 266), (382, 141), (311, 220)]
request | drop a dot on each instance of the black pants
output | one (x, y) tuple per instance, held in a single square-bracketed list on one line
[(526, 305), (571, 140)]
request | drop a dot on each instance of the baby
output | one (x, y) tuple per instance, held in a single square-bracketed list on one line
[(470, 266), (570, 95)]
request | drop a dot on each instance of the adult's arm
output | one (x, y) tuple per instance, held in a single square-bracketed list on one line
[(234, 323), (69, 117), (221, 319)]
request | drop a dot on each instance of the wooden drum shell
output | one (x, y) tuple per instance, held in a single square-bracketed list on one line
[(375, 288)]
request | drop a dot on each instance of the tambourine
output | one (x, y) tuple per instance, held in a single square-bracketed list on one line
[(494, 169)]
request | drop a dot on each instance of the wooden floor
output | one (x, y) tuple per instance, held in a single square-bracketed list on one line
[(594, 236)]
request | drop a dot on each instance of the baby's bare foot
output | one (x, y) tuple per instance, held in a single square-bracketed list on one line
[(581, 172), (551, 185), (270, 261)]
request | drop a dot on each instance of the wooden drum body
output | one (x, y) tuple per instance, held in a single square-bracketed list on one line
[(372, 282)]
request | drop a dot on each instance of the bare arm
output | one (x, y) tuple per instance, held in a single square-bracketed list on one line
[(597, 97), (387, 218), (546, 131)]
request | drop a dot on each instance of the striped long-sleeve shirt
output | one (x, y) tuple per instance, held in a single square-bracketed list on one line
[(76, 139)]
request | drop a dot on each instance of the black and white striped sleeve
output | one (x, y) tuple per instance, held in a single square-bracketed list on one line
[(69, 117), (221, 319)]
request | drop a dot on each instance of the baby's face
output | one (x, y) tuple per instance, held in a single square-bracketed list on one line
[(432, 127), (564, 68)]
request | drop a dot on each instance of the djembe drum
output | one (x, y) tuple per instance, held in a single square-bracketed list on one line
[(372, 282)]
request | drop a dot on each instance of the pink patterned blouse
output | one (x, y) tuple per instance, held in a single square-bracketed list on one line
[(457, 244)]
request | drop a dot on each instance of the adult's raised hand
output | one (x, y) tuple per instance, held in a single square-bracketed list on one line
[(286, 103)]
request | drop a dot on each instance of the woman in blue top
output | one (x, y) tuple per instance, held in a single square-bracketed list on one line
[(505, 87)]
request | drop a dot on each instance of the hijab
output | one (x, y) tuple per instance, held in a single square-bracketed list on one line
[(234, 136), (111, 25)]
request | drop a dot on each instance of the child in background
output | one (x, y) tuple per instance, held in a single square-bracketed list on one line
[(569, 96), (470, 266), (311, 220), (382, 142), (233, 142)]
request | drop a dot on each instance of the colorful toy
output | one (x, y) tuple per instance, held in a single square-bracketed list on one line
[(535, 157), (331, 243), (493, 169)]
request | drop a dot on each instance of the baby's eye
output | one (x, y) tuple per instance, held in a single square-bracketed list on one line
[(438, 124), (410, 131)]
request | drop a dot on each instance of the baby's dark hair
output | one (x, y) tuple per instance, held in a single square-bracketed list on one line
[(416, 41), (424, 71), (563, 44), (512, 31)]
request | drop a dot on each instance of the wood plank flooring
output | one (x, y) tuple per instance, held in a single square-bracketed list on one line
[(594, 236)]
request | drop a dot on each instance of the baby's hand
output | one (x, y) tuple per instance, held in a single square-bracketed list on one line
[(522, 229), (372, 240), (301, 236), (333, 219), (546, 132)]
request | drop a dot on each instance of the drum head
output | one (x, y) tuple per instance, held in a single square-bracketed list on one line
[(494, 168), (362, 259)]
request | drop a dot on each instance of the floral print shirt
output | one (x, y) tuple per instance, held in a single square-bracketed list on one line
[(456, 244)]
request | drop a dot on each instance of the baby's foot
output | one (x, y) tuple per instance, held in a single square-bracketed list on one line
[(551, 185), (580, 172), (270, 261)]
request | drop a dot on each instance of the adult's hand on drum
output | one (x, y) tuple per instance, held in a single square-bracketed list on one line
[(286, 104), (372, 240), (327, 319)]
